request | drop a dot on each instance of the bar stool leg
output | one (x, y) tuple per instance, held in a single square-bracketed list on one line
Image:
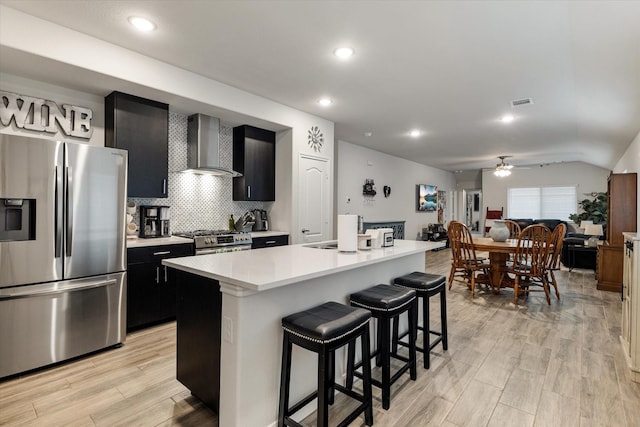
[(331, 376), (383, 350), (323, 405), (413, 333), (443, 318), (285, 377), (426, 332), (366, 377), (351, 360)]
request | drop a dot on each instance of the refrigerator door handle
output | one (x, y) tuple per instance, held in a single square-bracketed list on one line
[(57, 220), (69, 207), (24, 292)]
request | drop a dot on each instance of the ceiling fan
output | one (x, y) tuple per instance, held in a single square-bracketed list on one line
[(503, 169)]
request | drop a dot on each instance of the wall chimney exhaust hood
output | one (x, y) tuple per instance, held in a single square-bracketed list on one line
[(203, 146)]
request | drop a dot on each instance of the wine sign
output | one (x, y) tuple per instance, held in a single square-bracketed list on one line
[(41, 115)]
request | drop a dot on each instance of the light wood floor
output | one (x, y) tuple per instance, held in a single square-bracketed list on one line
[(525, 365)]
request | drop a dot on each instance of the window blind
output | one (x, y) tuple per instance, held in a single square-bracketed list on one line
[(541, 202)]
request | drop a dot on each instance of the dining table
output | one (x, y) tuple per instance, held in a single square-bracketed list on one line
[(498, 255)]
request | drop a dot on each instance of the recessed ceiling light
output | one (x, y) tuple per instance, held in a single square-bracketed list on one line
[(325, 102), (507, 118), (142, 24), (415, 133), (344, 52)]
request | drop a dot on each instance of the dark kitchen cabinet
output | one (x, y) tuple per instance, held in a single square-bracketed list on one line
[(151, 287), (198, 334), (267, 242), (141, 127), (254, 156)]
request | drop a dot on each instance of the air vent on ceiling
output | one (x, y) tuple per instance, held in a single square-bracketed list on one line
[(523, 101)]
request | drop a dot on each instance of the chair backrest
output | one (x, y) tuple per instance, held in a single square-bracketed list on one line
[(532, 250), (557, 238), (463, 251), (514, 228)]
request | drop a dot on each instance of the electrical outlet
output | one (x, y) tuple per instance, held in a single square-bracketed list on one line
[(227, 329)]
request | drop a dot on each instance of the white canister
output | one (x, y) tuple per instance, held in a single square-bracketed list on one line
[(347, 233), (131, 207), (364, 242)]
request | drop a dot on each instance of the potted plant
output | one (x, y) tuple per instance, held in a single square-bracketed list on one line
[(593, 210)]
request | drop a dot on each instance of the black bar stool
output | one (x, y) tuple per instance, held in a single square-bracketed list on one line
[(426, 285), (386, 302), (323, 329)]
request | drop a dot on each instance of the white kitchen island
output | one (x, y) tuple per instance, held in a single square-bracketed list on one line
[(259, 288)]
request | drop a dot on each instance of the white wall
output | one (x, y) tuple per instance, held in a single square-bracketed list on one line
[(586, 177), (630, 162), (356, 163)]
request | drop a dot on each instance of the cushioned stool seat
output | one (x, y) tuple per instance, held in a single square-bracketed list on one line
[(386, 302), (323, 329), (426, 285)]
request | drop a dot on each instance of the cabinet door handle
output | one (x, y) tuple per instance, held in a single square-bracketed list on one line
[(304, 230), (158, 275), (164, 186), (248, 191), (270, 242), (165, 274), (162, 253)]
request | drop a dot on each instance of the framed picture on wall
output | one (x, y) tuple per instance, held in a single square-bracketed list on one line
[(426, 198)]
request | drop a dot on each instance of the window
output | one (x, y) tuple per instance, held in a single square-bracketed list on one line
[(542, 202)]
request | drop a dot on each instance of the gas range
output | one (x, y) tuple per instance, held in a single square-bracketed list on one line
[(217, 241)]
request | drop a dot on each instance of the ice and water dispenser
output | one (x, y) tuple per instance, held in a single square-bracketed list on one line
[(17, 219)]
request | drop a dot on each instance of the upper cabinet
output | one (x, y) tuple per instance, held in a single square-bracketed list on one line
[(254, 156), (140, 126)]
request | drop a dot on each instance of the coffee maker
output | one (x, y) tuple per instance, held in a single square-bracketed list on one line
[(262, 221), (154, 221)]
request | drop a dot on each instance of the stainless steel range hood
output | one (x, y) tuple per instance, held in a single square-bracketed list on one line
[(203, 146)]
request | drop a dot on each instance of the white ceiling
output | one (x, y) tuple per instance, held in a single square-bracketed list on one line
[(447, 68)]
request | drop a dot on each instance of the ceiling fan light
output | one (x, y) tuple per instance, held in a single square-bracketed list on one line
[(501, 172)]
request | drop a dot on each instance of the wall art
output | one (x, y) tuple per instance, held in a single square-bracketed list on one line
[(427, 198), (315, 138)]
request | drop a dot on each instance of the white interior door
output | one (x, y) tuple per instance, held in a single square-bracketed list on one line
[(313, 196)]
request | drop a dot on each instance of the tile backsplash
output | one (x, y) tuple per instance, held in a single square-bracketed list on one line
[(198, 201)]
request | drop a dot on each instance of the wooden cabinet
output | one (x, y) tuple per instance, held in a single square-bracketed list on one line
[(621, 217), (254, 156), (151, 287), (141, 127), (267, 242)]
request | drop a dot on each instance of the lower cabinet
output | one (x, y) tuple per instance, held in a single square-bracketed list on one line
[(267, 242), (151, 287), (609, 270), (198, 334)]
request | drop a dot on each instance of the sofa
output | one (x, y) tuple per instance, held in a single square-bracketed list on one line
[(574, 253)]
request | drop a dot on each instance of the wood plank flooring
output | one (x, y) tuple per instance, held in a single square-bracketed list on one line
[(507, 365)]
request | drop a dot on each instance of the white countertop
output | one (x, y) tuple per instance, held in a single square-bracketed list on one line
[(156, 241), (631, 235), (284, 265), (256, 234)]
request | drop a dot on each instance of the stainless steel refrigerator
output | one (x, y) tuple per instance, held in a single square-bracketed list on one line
[(62, 251)]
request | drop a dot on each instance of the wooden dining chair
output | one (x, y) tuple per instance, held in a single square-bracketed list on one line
[(553, 256), (466, 267), (530, 261), (514, 228)]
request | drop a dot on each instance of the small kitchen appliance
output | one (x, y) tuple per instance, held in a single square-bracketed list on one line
[(262, 220), (154, 221), (386, 235)]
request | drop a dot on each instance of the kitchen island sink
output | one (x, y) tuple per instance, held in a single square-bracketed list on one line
[(323, 245)]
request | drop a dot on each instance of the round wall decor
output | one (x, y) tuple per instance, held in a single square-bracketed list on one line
[(316, 138)]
